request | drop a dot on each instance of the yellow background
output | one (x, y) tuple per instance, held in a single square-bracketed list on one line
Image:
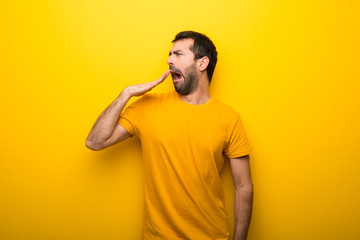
[(291, 68)]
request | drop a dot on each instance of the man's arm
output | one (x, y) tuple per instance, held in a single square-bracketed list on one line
[(106, 130), (240, 169)]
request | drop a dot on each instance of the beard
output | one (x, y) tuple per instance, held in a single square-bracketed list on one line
[(191, 80)]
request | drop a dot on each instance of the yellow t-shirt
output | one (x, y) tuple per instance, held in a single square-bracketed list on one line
[(183, 152)]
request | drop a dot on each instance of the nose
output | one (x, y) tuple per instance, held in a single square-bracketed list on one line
[(170, 61)]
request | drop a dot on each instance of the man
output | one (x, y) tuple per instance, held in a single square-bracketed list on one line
[(184, 135)]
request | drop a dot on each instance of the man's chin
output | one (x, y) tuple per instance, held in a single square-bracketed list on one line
[(182, 91), (179, 90)]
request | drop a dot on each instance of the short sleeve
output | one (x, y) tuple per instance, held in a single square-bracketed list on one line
[(131, 116), (238, 144)]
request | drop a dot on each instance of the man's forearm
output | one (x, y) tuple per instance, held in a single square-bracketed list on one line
[(106, 122), (105, 125), (242, 211)]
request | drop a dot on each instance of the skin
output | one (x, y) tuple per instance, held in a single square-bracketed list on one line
[(190, 82), (106, 130), (182, 58), (243, 201)]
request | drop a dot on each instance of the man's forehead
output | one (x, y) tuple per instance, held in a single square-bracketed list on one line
[(182, 44)]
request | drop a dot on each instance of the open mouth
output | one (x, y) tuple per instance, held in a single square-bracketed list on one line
[(175, 75)]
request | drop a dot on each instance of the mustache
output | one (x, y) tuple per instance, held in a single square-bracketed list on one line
[(175, 69)]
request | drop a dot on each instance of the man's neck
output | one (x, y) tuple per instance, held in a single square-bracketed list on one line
[(200, 96)]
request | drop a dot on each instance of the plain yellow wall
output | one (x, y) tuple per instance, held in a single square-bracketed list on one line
[(291, 68)]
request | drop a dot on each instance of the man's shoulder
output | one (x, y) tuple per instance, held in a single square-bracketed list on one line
[(157, 96), (152, 99), (224, 108)]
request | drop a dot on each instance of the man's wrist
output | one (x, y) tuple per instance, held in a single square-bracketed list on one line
[(125, 95)]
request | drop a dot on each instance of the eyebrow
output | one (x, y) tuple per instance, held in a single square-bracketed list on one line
[(176, 51)]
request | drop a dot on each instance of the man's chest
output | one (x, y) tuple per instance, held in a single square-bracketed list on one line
[(201, 131)]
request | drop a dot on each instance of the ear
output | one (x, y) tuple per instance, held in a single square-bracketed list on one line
[(204, 62)]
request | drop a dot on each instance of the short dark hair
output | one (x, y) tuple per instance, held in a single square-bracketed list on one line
[(202, 47)]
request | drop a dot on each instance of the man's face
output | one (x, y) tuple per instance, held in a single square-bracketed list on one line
[(183, 67)]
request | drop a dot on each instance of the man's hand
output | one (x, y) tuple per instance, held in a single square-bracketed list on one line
[(142, 88), (106, 131)]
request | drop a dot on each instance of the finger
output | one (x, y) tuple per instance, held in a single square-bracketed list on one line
[(163, 77), (151, 85)]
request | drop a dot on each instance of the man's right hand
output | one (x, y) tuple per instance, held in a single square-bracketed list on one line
[(142, 88), (106, 131)]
